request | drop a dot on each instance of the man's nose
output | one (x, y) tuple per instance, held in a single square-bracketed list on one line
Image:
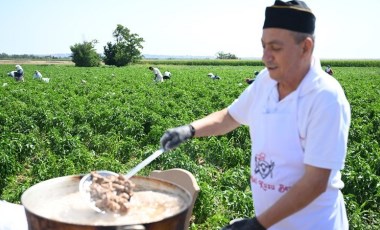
[(267, 56)]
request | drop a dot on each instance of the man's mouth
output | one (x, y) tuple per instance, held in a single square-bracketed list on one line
[(271, 67)]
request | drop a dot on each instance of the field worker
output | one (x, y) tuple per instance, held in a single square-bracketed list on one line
[(298, 118), (250, 80), (11, 74), (329, 70), (19, 74), (37, 75), (167, 75), (212, 76), (157, 74)]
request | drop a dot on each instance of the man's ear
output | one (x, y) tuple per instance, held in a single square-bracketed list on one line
[(308, 45)]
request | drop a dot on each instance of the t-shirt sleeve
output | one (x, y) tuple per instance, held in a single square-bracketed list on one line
[(240, 107), (327, 132)]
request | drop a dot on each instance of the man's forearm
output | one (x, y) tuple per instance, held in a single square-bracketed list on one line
[(217, 123)]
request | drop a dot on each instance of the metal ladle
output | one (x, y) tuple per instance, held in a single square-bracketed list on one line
[(85, 182)]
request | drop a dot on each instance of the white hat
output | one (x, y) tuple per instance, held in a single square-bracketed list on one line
[(18, 67)]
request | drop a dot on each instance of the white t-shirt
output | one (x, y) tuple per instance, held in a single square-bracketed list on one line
[(167, 73), (37, 75)]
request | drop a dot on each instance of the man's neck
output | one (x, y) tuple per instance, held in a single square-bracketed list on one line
[(286, 87)]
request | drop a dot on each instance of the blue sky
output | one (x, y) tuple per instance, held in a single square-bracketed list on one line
[(345, 29)]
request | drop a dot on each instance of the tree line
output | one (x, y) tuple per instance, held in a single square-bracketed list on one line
[(28, 56), (126, 49)]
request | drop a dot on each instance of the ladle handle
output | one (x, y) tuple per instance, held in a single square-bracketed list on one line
[(144, 163)]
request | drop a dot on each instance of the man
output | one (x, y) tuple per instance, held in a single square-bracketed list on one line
[(329, 70), (157, 74), (19, 74), (37, 75), (298, 118), (213, 77), (11, 74), (249, 81), (167, 75)]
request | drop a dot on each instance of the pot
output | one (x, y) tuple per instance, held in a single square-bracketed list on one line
[(57, 204)]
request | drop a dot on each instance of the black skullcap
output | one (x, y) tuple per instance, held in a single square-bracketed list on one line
[(291, 15)]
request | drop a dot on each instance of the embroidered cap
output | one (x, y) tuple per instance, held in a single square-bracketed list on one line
[(291, 15)]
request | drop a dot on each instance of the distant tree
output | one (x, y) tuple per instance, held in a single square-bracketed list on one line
[(84, 54), (4, 56), (126, 48), (222, 55)]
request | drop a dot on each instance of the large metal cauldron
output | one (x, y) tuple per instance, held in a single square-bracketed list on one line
[(47, 210)]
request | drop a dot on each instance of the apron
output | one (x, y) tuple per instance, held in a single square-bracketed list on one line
[(277, 154), (277, 163)]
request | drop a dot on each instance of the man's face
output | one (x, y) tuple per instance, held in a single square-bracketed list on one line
[(281, 55)]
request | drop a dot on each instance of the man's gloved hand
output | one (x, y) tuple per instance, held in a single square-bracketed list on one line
[(172, 138), (245, 224)]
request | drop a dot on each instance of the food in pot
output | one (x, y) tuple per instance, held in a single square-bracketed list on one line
[(111, 193)]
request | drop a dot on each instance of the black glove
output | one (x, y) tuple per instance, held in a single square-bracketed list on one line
[(172, 138), (245, 224)]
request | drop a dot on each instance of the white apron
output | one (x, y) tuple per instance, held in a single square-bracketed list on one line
[(277, 164)]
